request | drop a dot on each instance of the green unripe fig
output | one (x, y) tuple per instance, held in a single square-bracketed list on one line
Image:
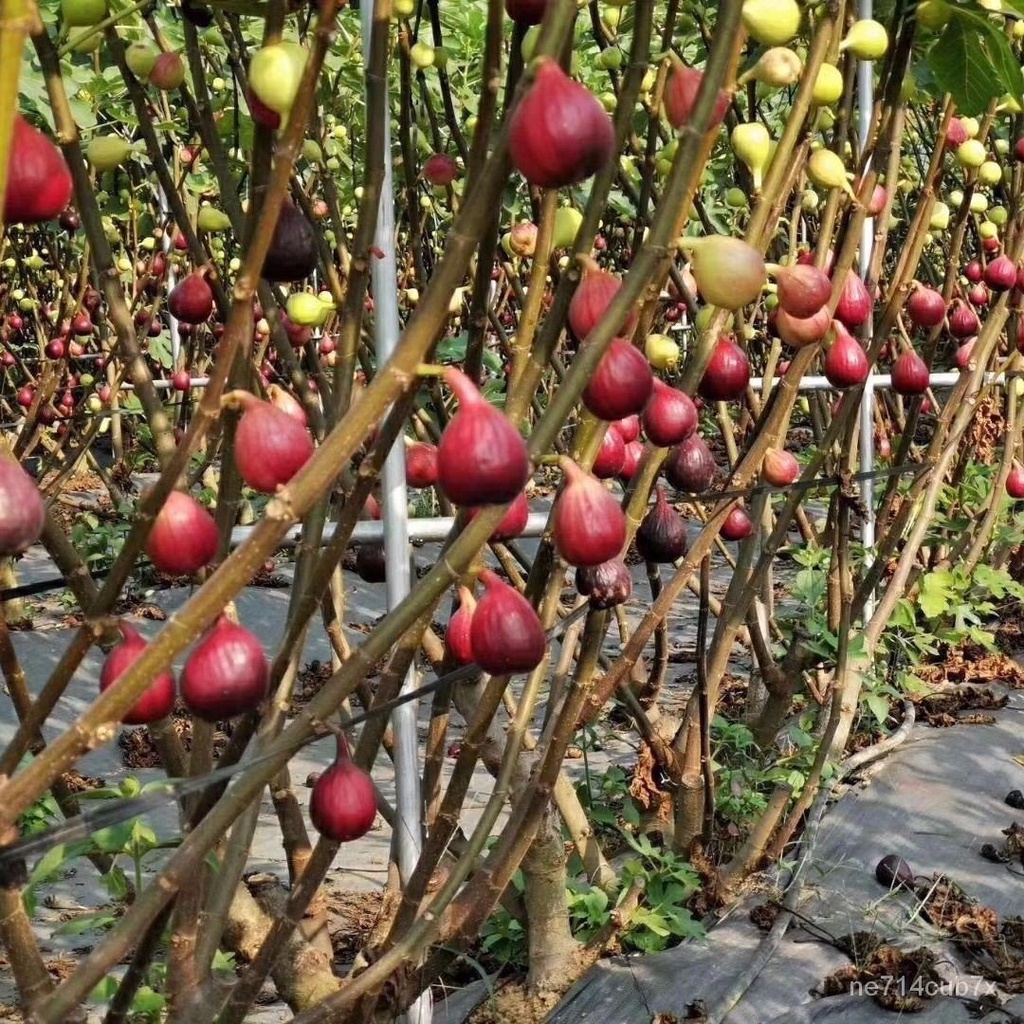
[(971, 126), (90, 44), (403, 8), (809, 200), (752, 144), (312, 152), (421, 55), (990, 173), (1002, 146), (609, 101), (210, 219), (978, 203), (827, 170), (106, 152), (970, 153), (124, 265), (866, 40), (986, 229), (828, 86), (1018, 29), (771, 22), (440, 58), (306, 310), (566, 227), (609, 59), (940, 217), (81, 13), (274, 77), (735, 199), (956, 197), (140, 58), (662, 351), (998, 215), (932, 15)]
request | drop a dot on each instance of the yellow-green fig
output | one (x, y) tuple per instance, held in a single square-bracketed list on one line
[(866, 40), (752, 144), (80, 13), (777, 67), (274, 77), (998, 215), (661, 351), (735, 199), (566, 227), (729, 273), (978, 203), (306, 310), (421, 55), (939, 220), (970, 125), (210, 219), (932, 15), (140, 59), (971, 153), (828, 86), (987, 229), (105, 152), (771, 22), (827, 170), (990, 173)]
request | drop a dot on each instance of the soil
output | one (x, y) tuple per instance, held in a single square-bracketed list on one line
[(138, 750)]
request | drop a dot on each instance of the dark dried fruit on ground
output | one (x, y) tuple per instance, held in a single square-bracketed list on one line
[(893, 871), (1015, 799), (989, 852), (896, 979)]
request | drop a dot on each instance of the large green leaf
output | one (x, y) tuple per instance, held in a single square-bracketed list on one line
[(962, 67)]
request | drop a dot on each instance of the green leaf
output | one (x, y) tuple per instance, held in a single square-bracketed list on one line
[(878, 706), (963, 67), (935, 594), (147, 1001)]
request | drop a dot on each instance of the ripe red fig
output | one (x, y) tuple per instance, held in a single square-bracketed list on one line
[(956, 133), (588, 524), (800, 333), (631, 463), (157, 700), (592, 298), (605, 585), (421, 464), (168, 72), (440, 169), (681, 93), (191, 300), (506, 635), (559, 134), (38, 182), (974, 272), (876, 204), (1001, 274), (690, 467), (854, 306), (780, 468), (846, 362), (270, 446), (669, 416), (611, 454), (456, 636), (1015, 481), (926, 307), (181, 381), (727, 374), (293, 250), (909, 374), (512, 523), (184, 537), (738, 525), (963, 321), (802, 289), (962, 356), (978, 295), (628, 427), (343, 802), (226, 674), (371, 565), (621, 384), (661, 536), (22, 512), (286, 402), (1018, 150), (482, 458)]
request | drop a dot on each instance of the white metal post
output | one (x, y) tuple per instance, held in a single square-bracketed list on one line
[(384, 277), (865, 105)]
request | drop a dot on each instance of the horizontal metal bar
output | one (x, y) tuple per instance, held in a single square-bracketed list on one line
[(433, 528)]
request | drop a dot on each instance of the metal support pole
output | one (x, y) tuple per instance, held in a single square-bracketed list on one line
[(865, 106), (387, 327)]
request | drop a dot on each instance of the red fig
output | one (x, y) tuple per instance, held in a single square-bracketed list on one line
[(589, 526), (157, 700), (184, 537), (506, 635)]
